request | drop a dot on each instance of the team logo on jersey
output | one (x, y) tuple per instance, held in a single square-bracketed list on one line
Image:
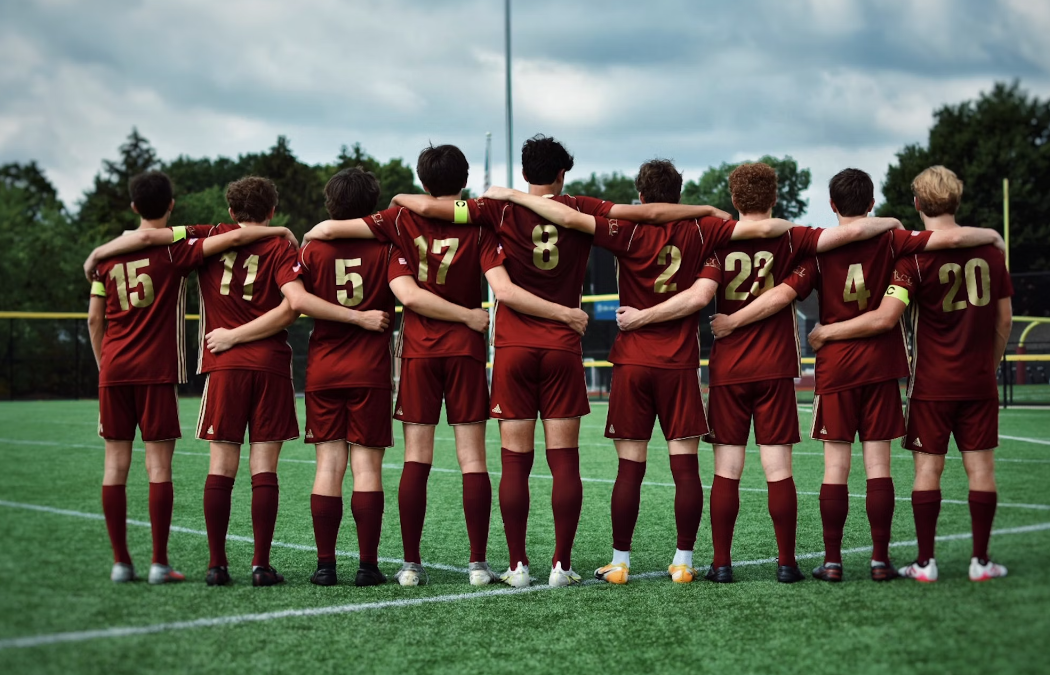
[(917, 443), (800, 271), (309, 433), (497, 410), (612, 429), (824, 431), (614, 227), (211, 430), (901, 278), (378, 219)]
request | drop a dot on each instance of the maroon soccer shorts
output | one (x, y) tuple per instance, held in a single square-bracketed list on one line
[(154, 408), (527, 381), (261, 401), (460, 380), (975, 425), (358, 415), (872, 410), (771, 403), (640, 394)]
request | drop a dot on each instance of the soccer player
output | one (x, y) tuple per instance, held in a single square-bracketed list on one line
[(960, 321), (751, 372), (656, 368), (443, 360), (538, 365), (857, 387), (136, 322)]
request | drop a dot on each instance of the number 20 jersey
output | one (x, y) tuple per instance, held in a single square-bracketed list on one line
[(851, 280)]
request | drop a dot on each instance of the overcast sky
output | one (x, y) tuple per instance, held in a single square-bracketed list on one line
[(834, 83)]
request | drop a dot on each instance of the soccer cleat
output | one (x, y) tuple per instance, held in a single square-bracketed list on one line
[(682, 574), (925, 573), (789, 574), (883, 571), (122, 573), (518, 577), (720, 575), (369, 577), (614, 573), (266, 576), (163, 574), (983, 570), (217, 576), (560, 577), (411, 574), (481, 574), (324, 576), (829, 572)]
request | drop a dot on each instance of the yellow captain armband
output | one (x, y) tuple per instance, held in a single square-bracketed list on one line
[(462, 212), (98, 288), (898, 292), (178, 233)]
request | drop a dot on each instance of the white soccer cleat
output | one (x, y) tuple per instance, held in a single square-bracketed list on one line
[(164, 574), (560, 577), (987, 570), (122, 573), (517, 577), (411, 574), (926, 574), (482, 575)]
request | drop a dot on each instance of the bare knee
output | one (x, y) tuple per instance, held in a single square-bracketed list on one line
[(634, 451), (562, 433), (117, 463), (837, 463), (331, 468), (980, 469), (367, 467), (518, 435), (729, 461), (419, 443), (776, 462), (470, 447), (158, 461), (225, 458)]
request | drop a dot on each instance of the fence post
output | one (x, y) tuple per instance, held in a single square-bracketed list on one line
[(76, 358), (11, 360)]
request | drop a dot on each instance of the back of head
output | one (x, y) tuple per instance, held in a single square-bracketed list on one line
[(852, 191), (543, 158), (151, 193), (252, 199), (753, 187), (442, 170), (659, 181), (938, 191), (351, 193)]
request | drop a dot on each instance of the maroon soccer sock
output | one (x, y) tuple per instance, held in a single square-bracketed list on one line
[(880, 503), (566, 501), (477, 509), (115, 509), (982, 513), (926, 507), (688, 499), (725, 505), (514, 501), (783, 509), (412, 505), (161, 501), (218, 491), (265, 498), (834, 507), (626, 498), (367, 508), (327, 514)]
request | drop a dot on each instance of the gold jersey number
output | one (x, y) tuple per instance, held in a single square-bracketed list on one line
[(978, 292), (672, 257), (855, 289), (545, 253), (251, 264), (762, 264), (129, 294), (449, 246), (343, 277)]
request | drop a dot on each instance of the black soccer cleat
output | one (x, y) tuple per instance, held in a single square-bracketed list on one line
[(720, 575), (829, 572), (789, 574), (266, 576), (217, 576), (369, 577), (883, 571), (324, 576)]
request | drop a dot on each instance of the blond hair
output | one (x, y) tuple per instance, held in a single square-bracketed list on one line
[(938, 190)]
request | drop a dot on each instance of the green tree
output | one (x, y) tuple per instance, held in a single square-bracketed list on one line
[(1003, 134), (395, 177), (613, 187), (105, 210), (713, 187), (300, 187)]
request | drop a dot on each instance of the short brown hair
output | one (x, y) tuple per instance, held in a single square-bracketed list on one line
[(852, 192), (151, 193), (659, 181), (251, 199), (753, 187), (938, 190), (351, 193), (443, 170)]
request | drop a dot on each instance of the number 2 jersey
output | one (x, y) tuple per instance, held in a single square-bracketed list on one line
[(954, 299), (145, 291), (654, 263), (238, 286), (851, 280), (768, 349)]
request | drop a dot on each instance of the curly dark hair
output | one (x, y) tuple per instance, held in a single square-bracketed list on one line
[(753, 187), (252, 199), (659, 181)]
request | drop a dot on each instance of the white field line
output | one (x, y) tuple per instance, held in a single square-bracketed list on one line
[(1025, 440), (130, 631)]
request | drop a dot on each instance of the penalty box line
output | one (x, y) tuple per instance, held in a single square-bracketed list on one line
[(231, 620)]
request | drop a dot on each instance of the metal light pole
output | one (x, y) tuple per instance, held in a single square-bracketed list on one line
[(510, 108)]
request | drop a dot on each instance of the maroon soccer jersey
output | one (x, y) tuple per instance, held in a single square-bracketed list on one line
[(239, 286), (769, 349), (145, 340), (851, 280), (447, 260), (547, 260), (352, 273), (954, 296), (657, 262)]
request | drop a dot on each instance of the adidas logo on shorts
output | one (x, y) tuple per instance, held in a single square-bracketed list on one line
[(824, 431), (211, 430), (400, 411), (612, 429), (917, 443), (497, 410), (309, 433)]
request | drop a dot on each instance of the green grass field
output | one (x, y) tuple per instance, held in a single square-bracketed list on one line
[(55, 560)]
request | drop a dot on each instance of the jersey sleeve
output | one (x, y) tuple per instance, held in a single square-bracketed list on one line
[(593, 206), (383, 224), (712, 270), (717, 232), (397, 265), (804, 278), (285, 271), (908, 242), (187, 252), (302, 266), (485, 212), (612, 234), (199, 231), (491, 250), (905, 279), (804, 241)]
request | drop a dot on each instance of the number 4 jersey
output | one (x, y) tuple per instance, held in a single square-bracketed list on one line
[(851, 280)]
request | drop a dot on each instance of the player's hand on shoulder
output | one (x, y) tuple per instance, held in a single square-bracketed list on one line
[(999, 243), (497, 192), (627, 318), (289, 236), (578, 320), (91, 268), (817, 337), (220, 340), (373, 319), (721, 326), (479, 320), (719, 213)]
